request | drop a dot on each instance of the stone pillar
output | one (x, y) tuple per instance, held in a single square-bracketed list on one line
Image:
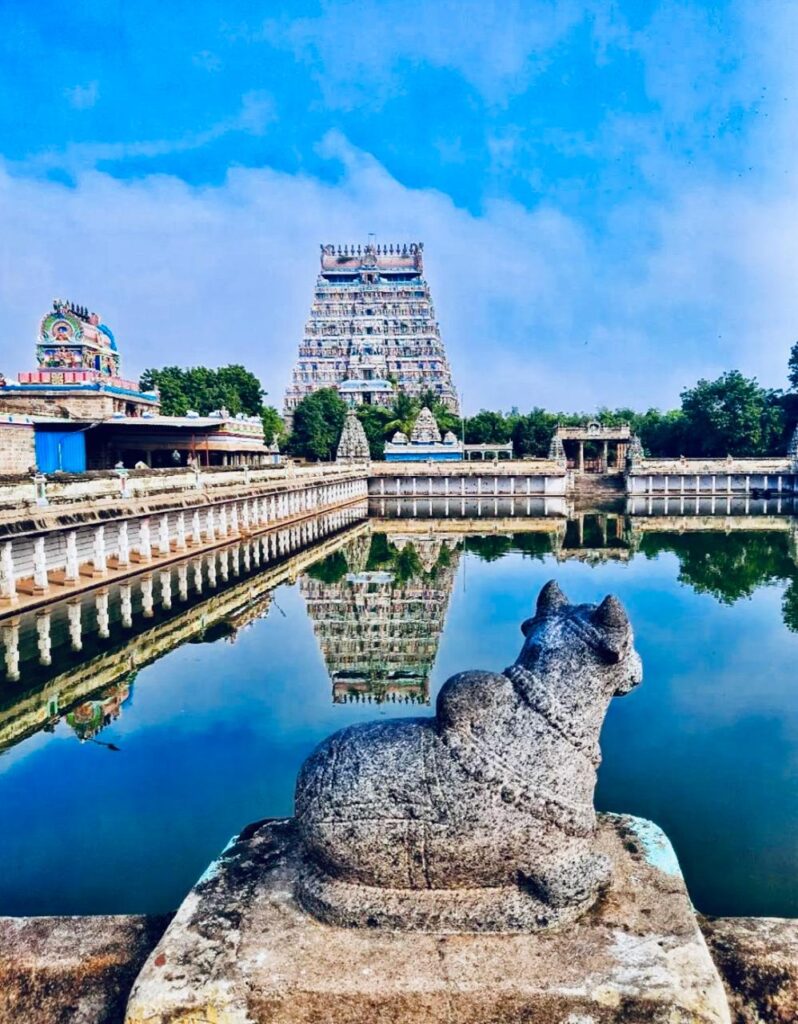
[(245, 520), (196, 531), (210, 526), (165, 578), (234, 528), (145, 542), (146, 597), (40, 581), (71, 567), (126, 603), (181, 532), (163, 535), (8, 581), (98, 561), (101, 608), (581, 465), (11, 648), (606, 457), (223, 530), (75, 625), (123, 546), (43, 639)]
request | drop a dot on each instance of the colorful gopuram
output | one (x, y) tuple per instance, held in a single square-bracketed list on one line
[(78, 371), (75, 412), (372, 329)]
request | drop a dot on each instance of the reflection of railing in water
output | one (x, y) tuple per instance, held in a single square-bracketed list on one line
[(138, 621), (469, 507), (752, 505)]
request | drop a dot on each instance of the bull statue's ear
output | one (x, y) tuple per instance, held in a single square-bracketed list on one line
[(550, 599), (610, 614)]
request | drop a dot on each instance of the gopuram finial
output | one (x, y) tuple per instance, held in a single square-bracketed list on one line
[(481, 818)]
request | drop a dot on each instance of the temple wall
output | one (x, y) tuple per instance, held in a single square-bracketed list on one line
[(17, 449), (467, 480), (715, 477)]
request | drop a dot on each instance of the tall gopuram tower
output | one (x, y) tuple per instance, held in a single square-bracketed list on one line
[(372, 329)]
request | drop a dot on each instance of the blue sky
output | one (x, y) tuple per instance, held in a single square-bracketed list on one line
[(606, 190)]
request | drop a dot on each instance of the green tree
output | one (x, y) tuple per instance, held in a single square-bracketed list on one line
[(318, 422), (488, 428), (403, 414), (531, 434), (204, 390), (171, 384), (732, 415), (241, 387), (273, 426), (792, 367), (375, 420)]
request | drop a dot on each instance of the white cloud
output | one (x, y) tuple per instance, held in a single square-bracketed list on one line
[(83, 97), (256, 112), (533, 310), (361, 48)]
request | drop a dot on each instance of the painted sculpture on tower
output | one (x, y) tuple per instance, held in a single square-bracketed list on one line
[(72, 338)]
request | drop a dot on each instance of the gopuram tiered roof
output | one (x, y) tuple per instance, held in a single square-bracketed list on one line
[(372, 329)]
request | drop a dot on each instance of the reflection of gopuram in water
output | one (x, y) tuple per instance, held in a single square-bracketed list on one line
[(378, 608), (89, 718), (76, 658)]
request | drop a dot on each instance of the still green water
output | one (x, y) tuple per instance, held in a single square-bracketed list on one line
[(116, 801)]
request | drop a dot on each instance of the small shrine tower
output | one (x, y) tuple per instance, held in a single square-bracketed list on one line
[(78, 371)]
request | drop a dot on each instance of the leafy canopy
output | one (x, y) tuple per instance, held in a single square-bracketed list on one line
[(318, 422)]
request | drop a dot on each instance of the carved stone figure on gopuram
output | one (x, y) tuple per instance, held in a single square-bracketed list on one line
[(481, 818)]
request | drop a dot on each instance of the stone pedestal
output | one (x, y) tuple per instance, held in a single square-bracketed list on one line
[(240, 950)]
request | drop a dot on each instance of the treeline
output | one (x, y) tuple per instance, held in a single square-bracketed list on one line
[(732, 415)]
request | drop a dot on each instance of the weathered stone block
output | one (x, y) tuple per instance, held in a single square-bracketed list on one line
[(241, 949), (758, 961), (71, 969)]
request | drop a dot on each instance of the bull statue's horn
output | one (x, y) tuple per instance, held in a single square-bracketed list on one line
[(551, 599), (610, 614)]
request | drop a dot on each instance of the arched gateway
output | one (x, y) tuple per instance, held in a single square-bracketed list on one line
[(587, 448)]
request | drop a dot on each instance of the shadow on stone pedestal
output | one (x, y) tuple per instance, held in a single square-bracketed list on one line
[(240, 950)]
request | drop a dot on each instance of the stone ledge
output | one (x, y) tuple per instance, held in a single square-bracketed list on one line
[(241, 951), (71, 969), (758, 960)]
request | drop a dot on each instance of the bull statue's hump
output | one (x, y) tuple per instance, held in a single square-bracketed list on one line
[(482, 817)]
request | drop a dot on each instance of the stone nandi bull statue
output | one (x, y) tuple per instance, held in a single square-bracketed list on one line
[(480, 818)]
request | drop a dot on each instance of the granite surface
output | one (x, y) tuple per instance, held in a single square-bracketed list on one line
[(71, 970), (241, 950), (481, 818)]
